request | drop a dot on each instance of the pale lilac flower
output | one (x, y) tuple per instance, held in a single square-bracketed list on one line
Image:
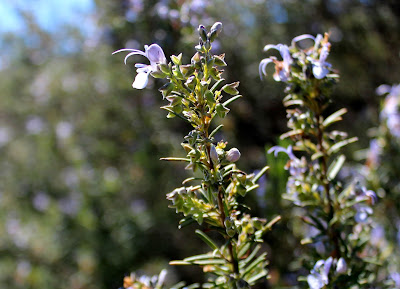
[(214, 154), (390, 111), (296, 166), (319, 274), (341, 266), (320, 66), (154, 54), (282, 68)]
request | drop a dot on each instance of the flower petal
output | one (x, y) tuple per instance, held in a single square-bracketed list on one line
[(263, 65), (314, 282), (271, 46), (302, 37), (134, 53), (319, 71), (141, 80), (155, 54)]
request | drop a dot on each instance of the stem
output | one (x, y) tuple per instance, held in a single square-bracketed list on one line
[(324, 179), (222, 218)]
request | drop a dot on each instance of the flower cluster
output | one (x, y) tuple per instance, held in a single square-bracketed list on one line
[(338, 214), (196, 95)]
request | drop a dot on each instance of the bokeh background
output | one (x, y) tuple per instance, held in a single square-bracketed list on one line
[(82, 190)]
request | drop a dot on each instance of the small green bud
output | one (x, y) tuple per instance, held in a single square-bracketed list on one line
[(177, 59), (215, 30), (187, 70), (231, 232), (228, 222), (196, 58), (203, 33)]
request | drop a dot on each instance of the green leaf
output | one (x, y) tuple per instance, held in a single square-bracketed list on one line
[(335, 167), (243, 263), (215, 86), (158, 74), (178, 285), (216, 130), (185, 222), (231, 88), (254, 264), (257, 277), (232, 99), (260, 173), (179, 263), (341, 144), (334, 117), (206, 239), (220, 60), (244, 250), (175, 159), (221, 110), (201, 257), (291, 133)]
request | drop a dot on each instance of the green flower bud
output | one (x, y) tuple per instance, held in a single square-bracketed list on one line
[(177, 59), (228, 222), (215, 30), (203, 33)]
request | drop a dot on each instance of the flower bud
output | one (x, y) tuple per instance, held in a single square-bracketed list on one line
[(341, 266), (203, 33), (233, 155), (214, 154), (215, 30)]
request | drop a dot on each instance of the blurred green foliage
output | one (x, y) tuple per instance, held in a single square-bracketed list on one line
[(82, 193)]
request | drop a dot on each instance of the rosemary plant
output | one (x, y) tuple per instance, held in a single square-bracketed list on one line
[(213, 196), (337, 215)]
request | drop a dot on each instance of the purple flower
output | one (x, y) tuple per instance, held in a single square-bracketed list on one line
[(154, 54), (282, 68)]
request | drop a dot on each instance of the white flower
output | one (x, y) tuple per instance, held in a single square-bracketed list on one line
[(233, 155), (341, 266), (154, 54)]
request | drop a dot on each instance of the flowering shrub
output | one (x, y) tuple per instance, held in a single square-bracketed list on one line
[(382, 172), (338, 236), (214, 197), (338, 215)]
